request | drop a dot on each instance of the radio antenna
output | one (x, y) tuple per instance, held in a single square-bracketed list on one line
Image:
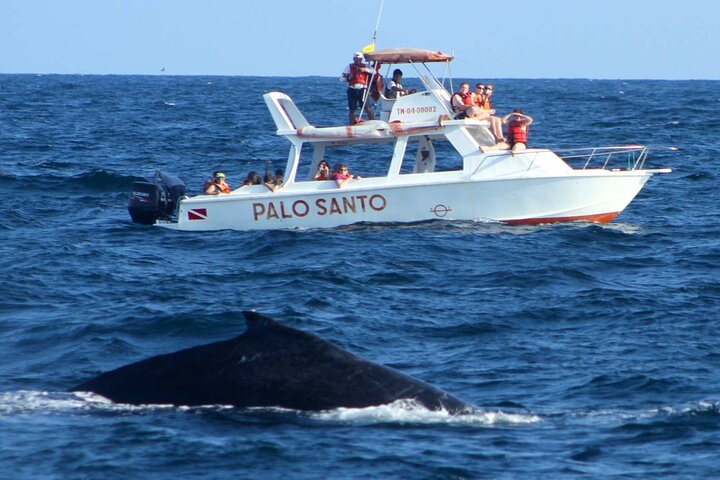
[(370, 48)]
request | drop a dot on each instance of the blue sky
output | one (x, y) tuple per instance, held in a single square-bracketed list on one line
[(627, 39)]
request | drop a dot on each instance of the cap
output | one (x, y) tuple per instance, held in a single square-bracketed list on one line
[(219, 175), (358, 55)]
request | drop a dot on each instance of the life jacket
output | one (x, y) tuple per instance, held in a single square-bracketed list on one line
[(223, 188), (484, 104), (517, 132), (465, 97), (322, 177), (340, 176), (357, 75)]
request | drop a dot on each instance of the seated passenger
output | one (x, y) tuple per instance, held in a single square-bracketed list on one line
[(253, 178), (462, 103), (279, 177), (274, 183), (342, 175), (323, 171), (517, 134), (395, 88), (216, 185), (481, 99)]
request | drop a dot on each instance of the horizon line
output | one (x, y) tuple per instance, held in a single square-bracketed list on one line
[(163, 74)]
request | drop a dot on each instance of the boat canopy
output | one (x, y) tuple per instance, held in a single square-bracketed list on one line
[(407, 55)]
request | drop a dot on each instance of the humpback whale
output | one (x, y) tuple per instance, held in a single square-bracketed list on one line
[(269, 365)]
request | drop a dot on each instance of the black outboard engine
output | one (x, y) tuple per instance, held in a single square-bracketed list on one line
[(150, 201)]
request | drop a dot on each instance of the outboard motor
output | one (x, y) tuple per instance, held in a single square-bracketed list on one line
[(150, 201)]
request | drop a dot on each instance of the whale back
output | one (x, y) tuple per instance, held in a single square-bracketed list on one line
[(269, 365)]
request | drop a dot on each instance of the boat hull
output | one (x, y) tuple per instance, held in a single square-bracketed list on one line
[(597, 197)]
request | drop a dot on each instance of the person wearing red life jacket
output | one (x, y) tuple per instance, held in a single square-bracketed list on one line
[(517, 132), (357, 75), (323, 171), (216, 185), (462, 103)]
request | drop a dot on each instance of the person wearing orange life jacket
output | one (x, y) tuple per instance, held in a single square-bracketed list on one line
[(517, 134), (462, 103), (481, 99), (216, 185), (357, 75)]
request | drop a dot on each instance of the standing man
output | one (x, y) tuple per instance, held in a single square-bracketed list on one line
[(357, 75)]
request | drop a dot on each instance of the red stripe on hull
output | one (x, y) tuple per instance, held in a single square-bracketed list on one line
[(597, 218)]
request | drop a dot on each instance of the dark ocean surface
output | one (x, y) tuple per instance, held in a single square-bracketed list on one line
[(591, 351)]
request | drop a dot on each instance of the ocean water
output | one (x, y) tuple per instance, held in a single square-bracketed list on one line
[(590, 351)]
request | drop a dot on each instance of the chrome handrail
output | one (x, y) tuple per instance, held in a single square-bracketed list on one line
[(636, 155)]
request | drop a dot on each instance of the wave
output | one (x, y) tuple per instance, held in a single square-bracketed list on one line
[(103, 180), (93, 180), (408, 411), (399, 412)]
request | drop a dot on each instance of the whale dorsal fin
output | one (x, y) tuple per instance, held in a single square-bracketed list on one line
[(256, 321)]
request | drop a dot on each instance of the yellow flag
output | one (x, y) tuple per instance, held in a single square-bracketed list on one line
[(369, 48)]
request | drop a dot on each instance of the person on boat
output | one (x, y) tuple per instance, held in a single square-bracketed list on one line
[(479, 96), (462, 103), (357, 76), (342, 176), (323, 171), (395, 88), (279, 177), (216, 185), (274, 183), (481, 99), (517, 134), (253, 178)]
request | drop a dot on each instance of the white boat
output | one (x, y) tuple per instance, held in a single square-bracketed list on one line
[(434, 168)]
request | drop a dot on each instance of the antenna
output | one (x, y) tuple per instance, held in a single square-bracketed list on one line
[(371, 46)]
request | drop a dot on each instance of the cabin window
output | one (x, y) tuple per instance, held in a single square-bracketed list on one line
[(427, 157)]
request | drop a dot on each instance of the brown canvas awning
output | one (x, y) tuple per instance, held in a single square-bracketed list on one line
[(407, 55)]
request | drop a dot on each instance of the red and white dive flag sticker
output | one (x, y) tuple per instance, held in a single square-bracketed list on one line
[(197, 214)]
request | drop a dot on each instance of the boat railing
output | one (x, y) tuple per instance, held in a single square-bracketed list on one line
[(626, 157), (615, 158)]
